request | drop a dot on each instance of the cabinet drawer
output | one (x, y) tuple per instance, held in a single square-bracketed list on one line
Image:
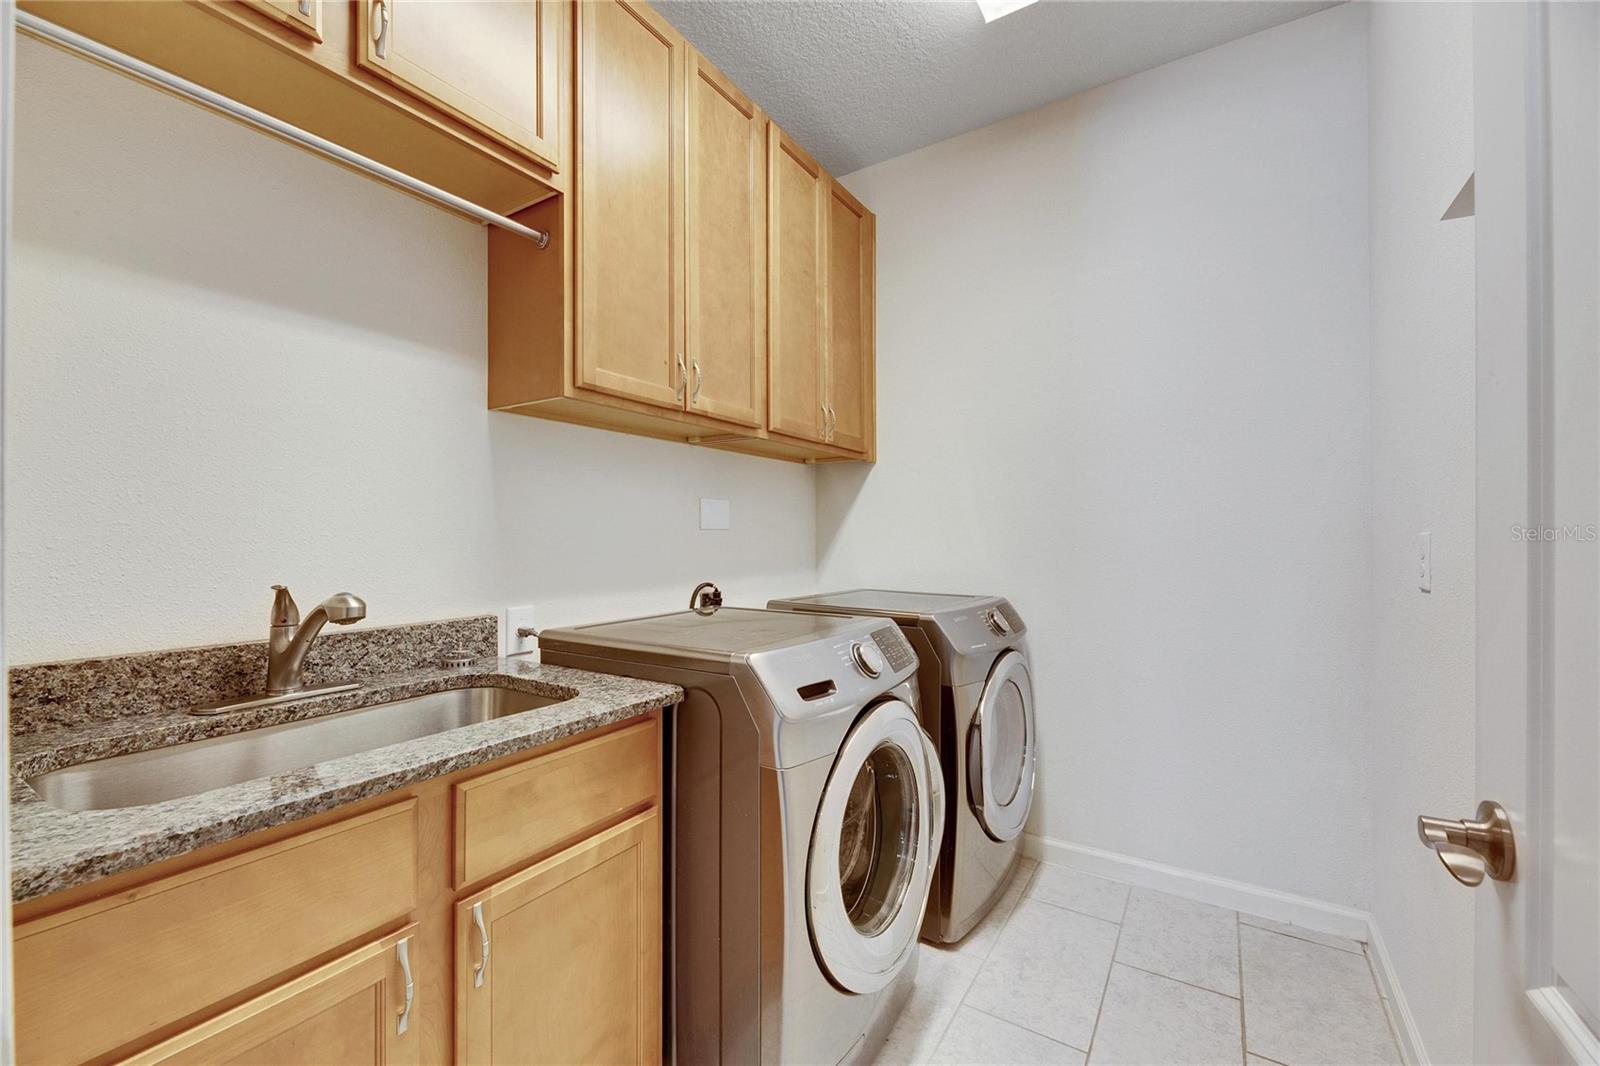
[(152, 955), (512, 815)]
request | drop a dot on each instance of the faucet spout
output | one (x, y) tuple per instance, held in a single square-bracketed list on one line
[(291, 639)]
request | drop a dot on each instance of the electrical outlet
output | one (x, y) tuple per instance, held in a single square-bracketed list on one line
[(513, 619), (1425, 561)]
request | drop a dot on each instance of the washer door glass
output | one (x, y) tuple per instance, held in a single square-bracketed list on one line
[(870, 862), (1000, 750)]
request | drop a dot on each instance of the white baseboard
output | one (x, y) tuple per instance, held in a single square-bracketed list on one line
[(1405, 1026), (1308, 913)]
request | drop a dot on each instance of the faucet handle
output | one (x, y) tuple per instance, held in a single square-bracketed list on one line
[(284, 611)]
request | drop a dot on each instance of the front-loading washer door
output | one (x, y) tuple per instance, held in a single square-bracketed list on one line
[(871, 858), (1001, 744)]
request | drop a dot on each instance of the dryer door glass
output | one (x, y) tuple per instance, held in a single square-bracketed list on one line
[(871, 851), (1000, 750)]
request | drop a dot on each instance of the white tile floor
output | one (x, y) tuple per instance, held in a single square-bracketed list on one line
[(1071, 968)]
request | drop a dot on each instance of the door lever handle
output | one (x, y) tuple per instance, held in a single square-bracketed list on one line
[(1471, 850)]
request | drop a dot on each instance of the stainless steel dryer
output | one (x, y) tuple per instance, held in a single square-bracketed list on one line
[(977, 704), (805, 810)]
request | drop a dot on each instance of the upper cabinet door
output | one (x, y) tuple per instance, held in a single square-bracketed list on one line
[(725, 320), (562, 962), (630, 203), (302, 16), (492, 64), (796, 187), (850, 320)]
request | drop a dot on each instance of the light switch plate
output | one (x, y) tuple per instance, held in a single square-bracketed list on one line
[(715, 514), (511, 620), (1425, 561)]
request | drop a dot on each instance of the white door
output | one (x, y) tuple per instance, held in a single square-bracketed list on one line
[(873, 848), (1537, 103)]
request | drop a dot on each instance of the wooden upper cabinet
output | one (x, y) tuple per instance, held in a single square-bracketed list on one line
[(494, 65), (302, 16), (629, 216), (562, 962), (797, 187), (849, 289), (356, 1009), (725, 312)]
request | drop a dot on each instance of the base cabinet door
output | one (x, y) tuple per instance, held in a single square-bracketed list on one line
[(795, 254), (357, 1009), (562, 962), (850, 317)]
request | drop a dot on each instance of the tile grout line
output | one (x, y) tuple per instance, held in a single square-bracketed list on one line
[(1388, 1008), (1022, 894), (1084, 914), (1110, 966), (1360, 946), (1238, 943), (1174, 980), (1024, 1028)]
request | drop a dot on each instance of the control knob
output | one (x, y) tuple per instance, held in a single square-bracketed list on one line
[(868, 659)]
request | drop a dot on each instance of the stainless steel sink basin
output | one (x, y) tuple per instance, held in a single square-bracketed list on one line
[(201, 765)]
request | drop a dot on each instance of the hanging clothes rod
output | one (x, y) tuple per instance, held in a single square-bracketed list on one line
[(93, 50)]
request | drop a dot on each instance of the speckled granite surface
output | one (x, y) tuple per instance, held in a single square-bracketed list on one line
[(78, 692), (53, 849)]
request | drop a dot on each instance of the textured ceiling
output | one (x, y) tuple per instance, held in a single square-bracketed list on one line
[(860, 81)]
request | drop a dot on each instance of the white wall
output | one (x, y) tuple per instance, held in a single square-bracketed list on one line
[(1423, 392), (1126, 336), (232, 364)]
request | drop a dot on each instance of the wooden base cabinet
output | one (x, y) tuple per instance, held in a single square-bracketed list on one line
[(355, 1010), (509, 913), (582, 914)]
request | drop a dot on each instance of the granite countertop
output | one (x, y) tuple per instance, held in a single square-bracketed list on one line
[(53, 849)]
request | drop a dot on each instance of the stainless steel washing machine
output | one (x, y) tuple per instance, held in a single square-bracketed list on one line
[(804, 814), (977, 704)]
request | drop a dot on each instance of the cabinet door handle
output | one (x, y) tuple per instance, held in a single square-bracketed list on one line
[(380, 27), (832, 420), (482, 968), (403, 950), (683, 376), (699, 383), (305, 7)]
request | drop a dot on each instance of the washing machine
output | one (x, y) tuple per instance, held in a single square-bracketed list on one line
[(977, 704), (805, 813)]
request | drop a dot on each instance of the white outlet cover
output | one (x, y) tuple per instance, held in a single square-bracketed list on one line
[(512, 619), (715, 514)]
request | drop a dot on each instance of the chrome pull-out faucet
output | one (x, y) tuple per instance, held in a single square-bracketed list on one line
[(290, 639)]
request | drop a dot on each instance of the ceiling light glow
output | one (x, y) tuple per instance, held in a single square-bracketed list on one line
[(993, 9)]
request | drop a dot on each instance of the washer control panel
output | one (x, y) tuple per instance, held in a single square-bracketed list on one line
[(868, 659)]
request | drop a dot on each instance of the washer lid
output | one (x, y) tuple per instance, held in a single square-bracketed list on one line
[(872, 851), (1001, 745)]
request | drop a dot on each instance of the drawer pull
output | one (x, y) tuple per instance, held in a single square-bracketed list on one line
[(482, 968), (403, 950)]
